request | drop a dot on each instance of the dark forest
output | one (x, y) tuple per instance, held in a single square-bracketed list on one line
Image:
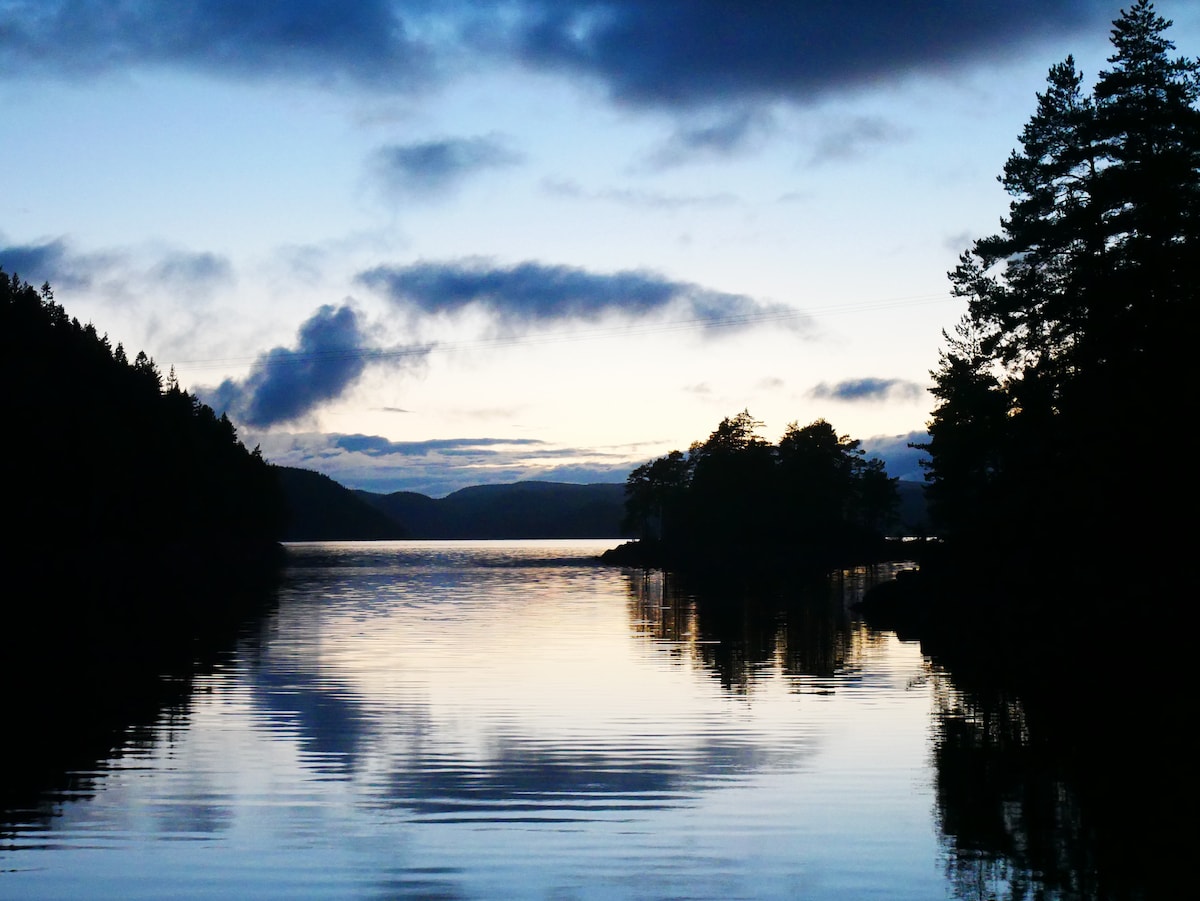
[(106, 460)]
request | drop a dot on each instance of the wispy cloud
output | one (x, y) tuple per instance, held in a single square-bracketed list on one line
[(55, 262), (642, 199), (377, 446), (440, 466), (430, 168), (868, 389), (193, 273), (851, 139), (729, 134), (118, 272), (535, 293)]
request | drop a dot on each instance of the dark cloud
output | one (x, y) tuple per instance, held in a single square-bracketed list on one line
[(697, 52), (868, 389), (286, 384), (667, 53), (434, 167), (329, 41), (530, 293)]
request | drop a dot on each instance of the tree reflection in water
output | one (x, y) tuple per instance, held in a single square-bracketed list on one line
[(801, 627), (1010, 822), (1056, 791), (1058, 794)]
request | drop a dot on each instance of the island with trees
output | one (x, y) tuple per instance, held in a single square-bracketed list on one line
[(736, 500)]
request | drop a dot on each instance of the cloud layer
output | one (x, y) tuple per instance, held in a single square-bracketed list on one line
[(668, 53), (367, 42), (438, 467), (692, 52), (535, 293)]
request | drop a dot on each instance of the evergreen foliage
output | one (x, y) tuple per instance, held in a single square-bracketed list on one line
[(1078, 319), (736, 498), (107, 460)]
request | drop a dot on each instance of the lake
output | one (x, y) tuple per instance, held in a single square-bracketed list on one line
[(512, 720)]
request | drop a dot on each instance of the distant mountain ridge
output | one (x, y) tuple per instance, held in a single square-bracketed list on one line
[(320, 509), (519, 510), (323, 510)]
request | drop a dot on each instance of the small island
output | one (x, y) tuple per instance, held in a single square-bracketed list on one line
[(811, 501)]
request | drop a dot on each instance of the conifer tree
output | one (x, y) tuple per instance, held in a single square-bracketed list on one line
[(1077, 309)]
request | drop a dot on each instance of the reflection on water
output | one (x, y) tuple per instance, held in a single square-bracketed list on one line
[(1044, 798), (507, 719)]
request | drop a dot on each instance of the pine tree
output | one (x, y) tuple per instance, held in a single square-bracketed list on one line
[(1077, 309)]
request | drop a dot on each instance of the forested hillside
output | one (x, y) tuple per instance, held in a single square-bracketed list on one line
[(106, 460), (319, 509)]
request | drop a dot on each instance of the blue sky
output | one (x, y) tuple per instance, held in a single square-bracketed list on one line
[(421, 245)]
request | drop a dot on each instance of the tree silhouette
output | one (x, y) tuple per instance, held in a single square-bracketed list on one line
[(654, 494), (1077, 318), (107, 462), (735, 499)]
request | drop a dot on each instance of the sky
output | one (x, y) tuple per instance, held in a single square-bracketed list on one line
[(426, 244)]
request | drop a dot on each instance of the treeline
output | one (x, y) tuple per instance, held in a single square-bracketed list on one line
[(105, 458), (736, 499), (1061, 487), (142, 542), (1063, 391)]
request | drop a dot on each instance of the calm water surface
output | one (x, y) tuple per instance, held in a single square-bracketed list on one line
[(492, 720)]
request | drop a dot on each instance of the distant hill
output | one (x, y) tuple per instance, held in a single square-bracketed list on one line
[(322, 509), (319, 509), (519, 510)]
